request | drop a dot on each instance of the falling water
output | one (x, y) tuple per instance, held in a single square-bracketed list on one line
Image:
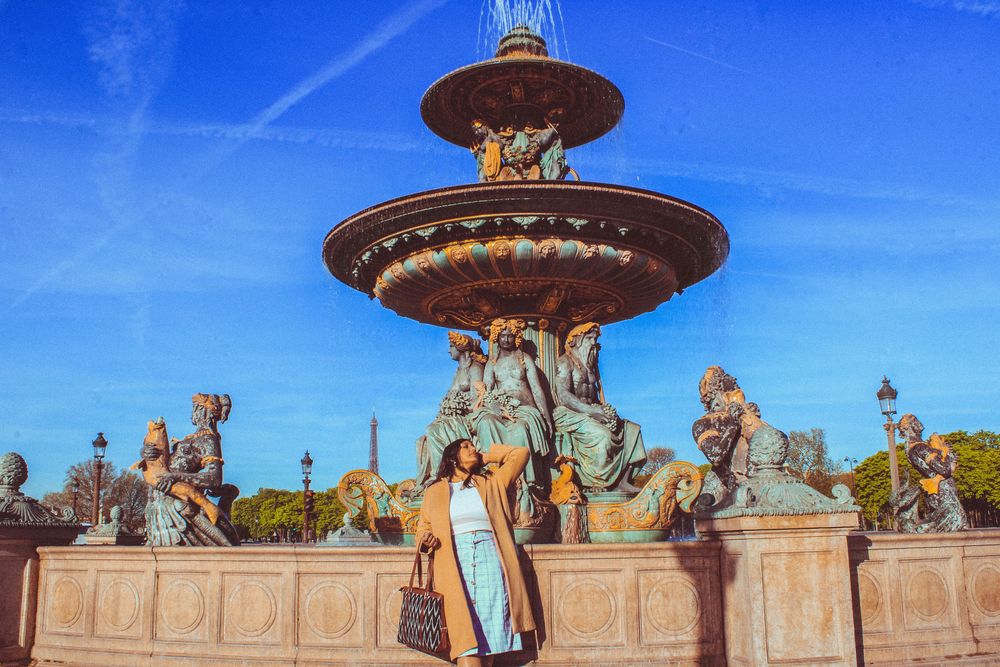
[(498, 17)]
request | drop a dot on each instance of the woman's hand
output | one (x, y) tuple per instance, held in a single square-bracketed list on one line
[(429, 542)]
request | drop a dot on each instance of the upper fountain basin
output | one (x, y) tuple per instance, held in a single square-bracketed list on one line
[(560, 250)]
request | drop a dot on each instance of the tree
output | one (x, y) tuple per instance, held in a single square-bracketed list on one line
[(873, 485), (978, 474), (656, 458), (809, 459), (123, 488), (277, 511)]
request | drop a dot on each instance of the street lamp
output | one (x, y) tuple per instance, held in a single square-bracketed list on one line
[(75, 488), (887, 404), (307, 465), (851, 461), (100, 446)]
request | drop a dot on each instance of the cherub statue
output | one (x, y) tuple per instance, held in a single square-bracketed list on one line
[(177, 512), (937, 462), (718, 433)]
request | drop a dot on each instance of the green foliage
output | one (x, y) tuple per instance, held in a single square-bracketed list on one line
[(873, 483), (271, 511), (978, 473)]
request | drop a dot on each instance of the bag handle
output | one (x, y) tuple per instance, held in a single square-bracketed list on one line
[(418, 571)]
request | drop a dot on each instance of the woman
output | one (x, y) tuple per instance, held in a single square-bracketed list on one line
[(466, 520), (452, 421)]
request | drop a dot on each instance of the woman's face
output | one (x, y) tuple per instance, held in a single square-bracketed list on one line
[(468, 456), (454, 352)]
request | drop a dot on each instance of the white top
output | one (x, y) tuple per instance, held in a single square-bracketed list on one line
[(467, 510)]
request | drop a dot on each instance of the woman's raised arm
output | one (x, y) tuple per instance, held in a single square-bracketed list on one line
[(512, 461)]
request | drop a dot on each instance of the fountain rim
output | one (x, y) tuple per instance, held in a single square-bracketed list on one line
[(510, 198), (433, 102)]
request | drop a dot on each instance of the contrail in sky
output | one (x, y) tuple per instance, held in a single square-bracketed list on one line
[(698, 55), (388, 30), (394, 26)]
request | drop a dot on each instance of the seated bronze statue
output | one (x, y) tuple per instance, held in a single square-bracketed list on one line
[(178, 511), (608, 450)]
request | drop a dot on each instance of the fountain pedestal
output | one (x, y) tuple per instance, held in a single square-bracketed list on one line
[(786, 588)]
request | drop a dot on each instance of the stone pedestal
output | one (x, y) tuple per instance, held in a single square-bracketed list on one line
[(19, 586), (786, 588)]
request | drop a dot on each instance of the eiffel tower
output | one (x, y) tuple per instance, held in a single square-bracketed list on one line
[(373, 450)]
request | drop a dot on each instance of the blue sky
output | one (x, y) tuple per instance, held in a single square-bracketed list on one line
[(168, 173)]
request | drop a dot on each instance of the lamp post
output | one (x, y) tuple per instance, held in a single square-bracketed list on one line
[(75, 488), (887, 403), (852, 462), (307, 464), (100, 445)]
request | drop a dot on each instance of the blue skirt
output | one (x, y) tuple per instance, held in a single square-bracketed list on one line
[(486, 592)]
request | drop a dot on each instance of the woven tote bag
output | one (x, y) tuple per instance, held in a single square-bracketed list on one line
[(421, 619)]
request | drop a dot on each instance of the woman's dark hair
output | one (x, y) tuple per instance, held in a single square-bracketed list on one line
[(449, 463)]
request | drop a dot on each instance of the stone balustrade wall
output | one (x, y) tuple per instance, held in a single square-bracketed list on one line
[(314, 606), (930, 598), (915, 598)]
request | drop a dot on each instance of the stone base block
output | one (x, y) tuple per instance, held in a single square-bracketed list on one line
[(786, 588)]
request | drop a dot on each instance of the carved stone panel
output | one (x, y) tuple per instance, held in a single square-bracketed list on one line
[(250, 608), (331, 610), (389, 601), (676, 606), (119, 605), (181, 607), (63, 614), (873, 596), (786, 577), (984, 589), (928, 601), (587, 608)]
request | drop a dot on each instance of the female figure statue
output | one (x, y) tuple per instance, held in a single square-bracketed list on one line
[(195, 460), (513, 409), (452, 422), (486, 147)]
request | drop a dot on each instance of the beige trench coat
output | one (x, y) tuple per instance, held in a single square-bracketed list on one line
[(435, 517)]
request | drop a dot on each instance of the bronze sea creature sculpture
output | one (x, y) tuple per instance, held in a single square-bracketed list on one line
[(932, 505), (155, 468), (182, 475)]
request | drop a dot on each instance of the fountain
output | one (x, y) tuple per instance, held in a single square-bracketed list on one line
[(532, 251)]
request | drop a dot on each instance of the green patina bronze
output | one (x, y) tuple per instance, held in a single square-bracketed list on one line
[(534, 262)]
